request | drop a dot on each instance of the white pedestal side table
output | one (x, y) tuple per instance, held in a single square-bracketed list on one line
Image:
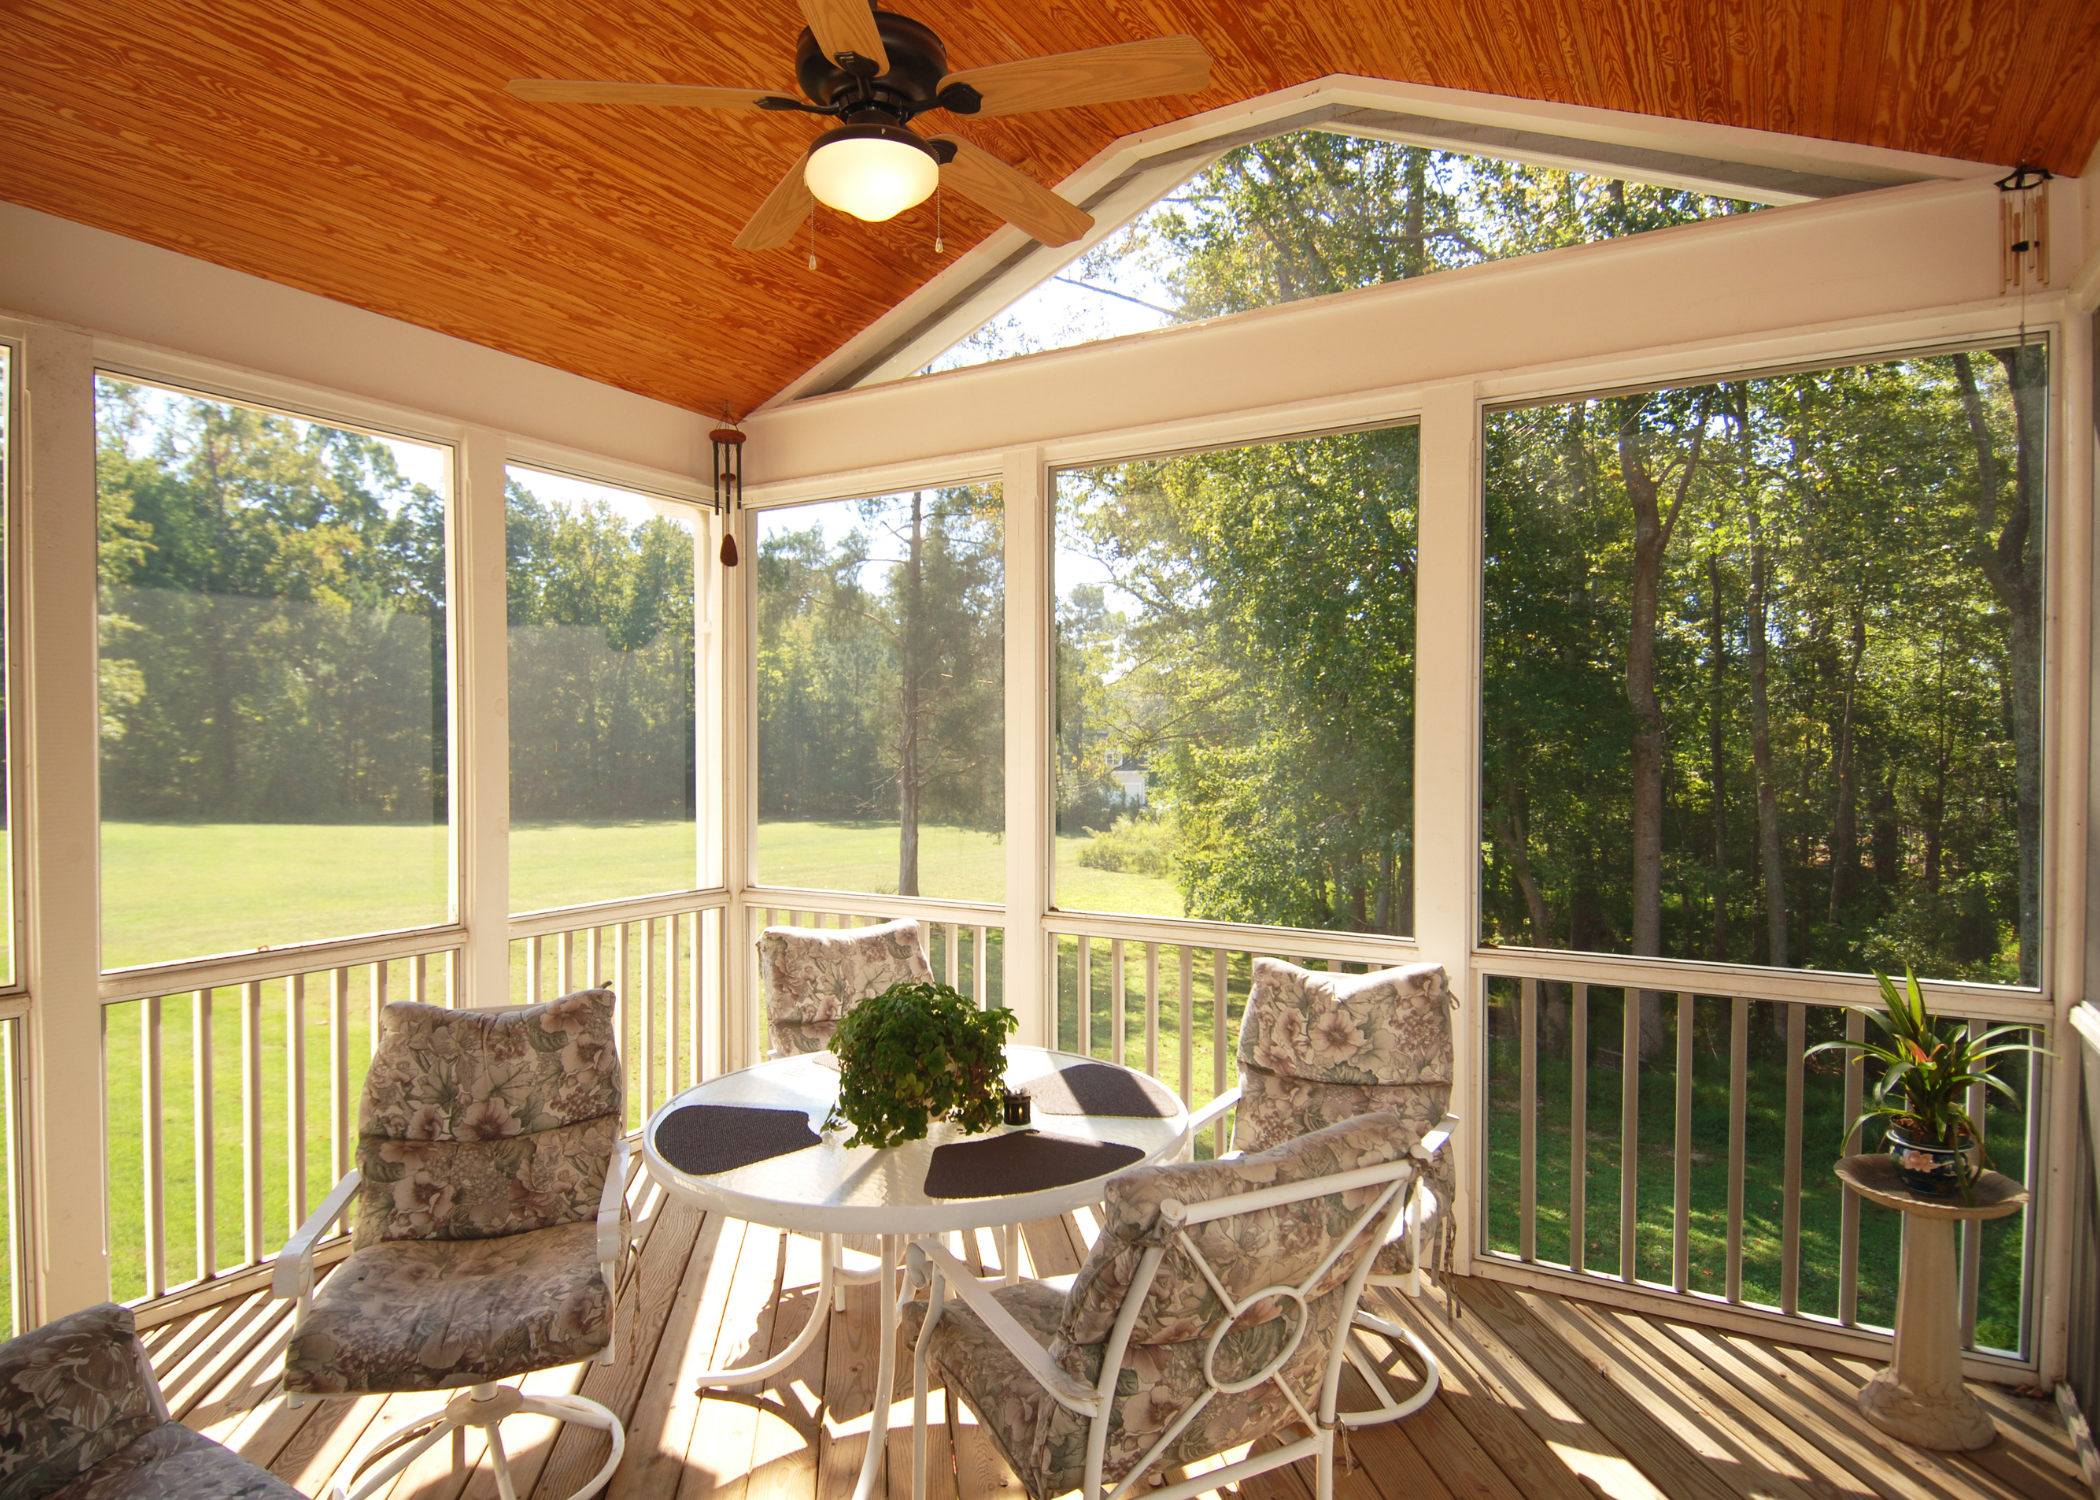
[(1919, 1397)]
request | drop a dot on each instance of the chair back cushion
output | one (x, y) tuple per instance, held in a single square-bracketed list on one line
[(71, 1394), (1247, 1252), (814, 975), (477, 1123), (1316, 1049)]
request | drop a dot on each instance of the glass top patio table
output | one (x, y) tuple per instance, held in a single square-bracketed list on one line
[(829, 1189)]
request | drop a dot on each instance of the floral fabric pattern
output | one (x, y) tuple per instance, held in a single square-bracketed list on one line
[(174, 1463), (71, 1394), (1388, 1027), (465, 1190), (813, 976), (1163, 1370), (429, 1315), (1245, 1251), (476, 1075)]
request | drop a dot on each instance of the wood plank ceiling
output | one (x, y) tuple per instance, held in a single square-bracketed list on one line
[(367, 153)]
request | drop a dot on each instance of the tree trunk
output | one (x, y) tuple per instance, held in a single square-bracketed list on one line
[(2012, 562), (1844, 827), (910, 706), (1508, 820), (1761, 757), (1651, 538), (1716, 747)]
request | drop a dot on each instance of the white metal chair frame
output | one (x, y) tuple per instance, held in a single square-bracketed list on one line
[(940, 1270), (485, 1405), (1410, 1283)]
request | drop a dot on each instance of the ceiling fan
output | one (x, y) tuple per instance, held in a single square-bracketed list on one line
[(873, 72)]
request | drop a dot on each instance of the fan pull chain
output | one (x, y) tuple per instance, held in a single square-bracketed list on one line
[(937, 247), (812, 237)]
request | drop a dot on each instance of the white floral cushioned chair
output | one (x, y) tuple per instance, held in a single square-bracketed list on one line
[(491, 1167), (814, 975), (1209, 1314), (82, 1418), (1318, 1048)]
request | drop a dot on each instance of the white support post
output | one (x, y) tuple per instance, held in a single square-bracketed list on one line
[(712, 797), (1447, 756), (1030, 672), (54, 556), (738, 783), (481, 719)]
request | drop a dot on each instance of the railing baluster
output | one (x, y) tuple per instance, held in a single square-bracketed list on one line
[(645, 982), (252, 1119), (565, 954), (1083, 977), (1629, 1133), (1681, 1231), (979, 977), (1220, 1031), (1790, 1206), (201, 1079), (1152, 1009), (1578, 1124), (594, 962), (1187, 1017), (953, 977), (156, 1188), (672, 925), (1848, 1220), (1116, 1039), (532, 970), (1738, 1105), (1528, 1129), (419, 980), (1971, 1229), (619, 963), (295, 1099), (339, 1157)]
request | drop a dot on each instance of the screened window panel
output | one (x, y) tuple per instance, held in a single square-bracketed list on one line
[(274, 736)]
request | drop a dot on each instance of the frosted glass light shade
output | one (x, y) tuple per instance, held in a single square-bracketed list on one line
[(869, 175)]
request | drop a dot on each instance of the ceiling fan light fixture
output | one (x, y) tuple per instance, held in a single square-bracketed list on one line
[(873, 172)]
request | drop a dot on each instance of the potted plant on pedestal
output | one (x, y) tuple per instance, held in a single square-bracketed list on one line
[(914, 1054), (1928, 1068)]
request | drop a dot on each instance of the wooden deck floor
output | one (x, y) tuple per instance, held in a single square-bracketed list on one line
[(1543, 1397)]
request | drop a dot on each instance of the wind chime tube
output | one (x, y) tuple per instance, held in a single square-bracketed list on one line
[(729, 484)]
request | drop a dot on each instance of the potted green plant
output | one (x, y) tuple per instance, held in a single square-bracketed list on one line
[(1928, 1069), (914, 1054)]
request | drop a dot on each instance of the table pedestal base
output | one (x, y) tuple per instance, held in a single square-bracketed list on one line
[(1920, 1397)]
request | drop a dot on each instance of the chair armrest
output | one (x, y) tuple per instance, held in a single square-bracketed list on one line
[(1210, 1112), (294, 1276), (1439, 1135), (612, 1204), (1005, 1327)]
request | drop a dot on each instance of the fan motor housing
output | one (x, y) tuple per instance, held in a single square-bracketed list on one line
[(918, 63)]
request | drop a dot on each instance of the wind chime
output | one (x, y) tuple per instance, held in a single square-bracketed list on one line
[(729, 481), (2023, 237)]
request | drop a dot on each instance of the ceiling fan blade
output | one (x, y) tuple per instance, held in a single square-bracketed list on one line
[(1097, 75), (783, 212), (1013, 196), (567, 91), (846, 26)]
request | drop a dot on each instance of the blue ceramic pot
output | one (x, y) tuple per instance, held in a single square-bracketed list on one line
[(1936, 1170)]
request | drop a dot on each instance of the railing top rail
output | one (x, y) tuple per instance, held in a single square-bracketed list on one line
[(148, 980), (606, 913), (847, 903), (1988, 1002), (1300, 942)]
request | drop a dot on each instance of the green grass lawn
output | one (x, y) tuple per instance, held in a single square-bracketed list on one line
[(1823, 1131)]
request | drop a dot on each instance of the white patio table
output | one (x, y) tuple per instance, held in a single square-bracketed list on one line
[(828, 1190)]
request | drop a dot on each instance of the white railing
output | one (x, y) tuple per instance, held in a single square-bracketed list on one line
[(964, 942), (1744, 1117), (1168, 993), (231, 1084)]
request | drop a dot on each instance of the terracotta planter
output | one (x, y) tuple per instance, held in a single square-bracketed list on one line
[(1930, 1168)]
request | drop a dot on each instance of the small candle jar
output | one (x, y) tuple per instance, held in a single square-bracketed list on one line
[(1017, 1107)]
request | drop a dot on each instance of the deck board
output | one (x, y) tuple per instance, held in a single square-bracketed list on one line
[(1544, 1398)]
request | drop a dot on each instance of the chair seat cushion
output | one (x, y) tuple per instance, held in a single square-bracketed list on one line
[(72, 1393), (173, 1463), (426, 1315), (1045, 1443)]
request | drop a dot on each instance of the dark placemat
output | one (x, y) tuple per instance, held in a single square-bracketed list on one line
[(1097, 1089), (707, 1138), (1026, 1161)]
